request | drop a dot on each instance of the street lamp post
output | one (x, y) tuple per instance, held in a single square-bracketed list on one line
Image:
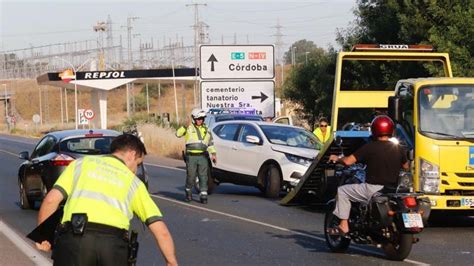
[(75, 88), (6, 102), (306, 57)]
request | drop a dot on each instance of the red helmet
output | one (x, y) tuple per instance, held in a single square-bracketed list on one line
[(382, 125)]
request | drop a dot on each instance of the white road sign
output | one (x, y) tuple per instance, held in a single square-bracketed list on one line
[(81, 117), (246, 95), (237, 62)]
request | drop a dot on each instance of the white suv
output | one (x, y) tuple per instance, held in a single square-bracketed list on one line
[(272, 157)]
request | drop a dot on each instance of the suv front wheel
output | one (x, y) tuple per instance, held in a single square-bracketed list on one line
[(272, 181)]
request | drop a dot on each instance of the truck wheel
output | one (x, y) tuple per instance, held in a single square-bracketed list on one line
[(272, 181), (25, 202)]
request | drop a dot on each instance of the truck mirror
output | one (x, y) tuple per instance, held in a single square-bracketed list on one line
[(338, 141), (410, 155), (394, 111)]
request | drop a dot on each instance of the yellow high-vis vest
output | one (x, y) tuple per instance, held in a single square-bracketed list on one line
[(198, 139), (107, 191), (319, 134)]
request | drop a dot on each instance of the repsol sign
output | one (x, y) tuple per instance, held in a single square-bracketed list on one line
[(104, 75)]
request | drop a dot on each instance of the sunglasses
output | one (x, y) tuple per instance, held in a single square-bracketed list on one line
[(323, 125)]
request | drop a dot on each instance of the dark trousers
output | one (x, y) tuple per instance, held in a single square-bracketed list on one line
[(197, 166), (92, 248)]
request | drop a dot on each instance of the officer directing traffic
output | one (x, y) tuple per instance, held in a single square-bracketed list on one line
[(198, 145), (102, 193)]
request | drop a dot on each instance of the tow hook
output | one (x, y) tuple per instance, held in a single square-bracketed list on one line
[(415, 240)]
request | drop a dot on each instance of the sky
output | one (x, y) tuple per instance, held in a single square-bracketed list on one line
[(38, 22)]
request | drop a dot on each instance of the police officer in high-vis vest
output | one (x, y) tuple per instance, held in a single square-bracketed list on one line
[(102, 193), (198, 145)]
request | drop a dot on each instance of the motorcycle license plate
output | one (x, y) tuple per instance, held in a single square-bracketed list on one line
[(412, 220), (467, 202)]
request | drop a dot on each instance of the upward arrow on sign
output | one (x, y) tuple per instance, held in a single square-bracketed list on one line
[(212, 59), (262, 97)]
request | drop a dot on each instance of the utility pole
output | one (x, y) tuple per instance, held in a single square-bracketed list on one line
[(61, 100), (197, 41), (6, 101), (110, 56), (293, 55), (279, 47), (130, 58)]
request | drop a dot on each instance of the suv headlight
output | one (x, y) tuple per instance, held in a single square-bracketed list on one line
[(298, 159), (429, 177)]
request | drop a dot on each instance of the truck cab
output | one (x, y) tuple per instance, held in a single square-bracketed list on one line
[(435, 118)]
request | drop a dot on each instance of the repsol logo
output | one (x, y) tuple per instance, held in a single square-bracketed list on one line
[(104, 75), (248, 67)]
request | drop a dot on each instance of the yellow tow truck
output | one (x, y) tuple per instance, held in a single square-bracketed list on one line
[(434, 115)]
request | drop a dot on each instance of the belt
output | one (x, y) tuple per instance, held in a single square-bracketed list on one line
[(195, 154), (95, 227)]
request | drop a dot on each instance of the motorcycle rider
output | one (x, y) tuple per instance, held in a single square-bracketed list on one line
[(383, 159), (198, 144)]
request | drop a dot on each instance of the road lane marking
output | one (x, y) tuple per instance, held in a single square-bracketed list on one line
[(11, 153), (14, 140), (272, 226), (27, 249), (166, 167)]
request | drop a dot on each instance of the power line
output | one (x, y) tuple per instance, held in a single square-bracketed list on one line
[(199, 36)]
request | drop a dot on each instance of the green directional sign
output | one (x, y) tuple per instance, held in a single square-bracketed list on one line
[(237, 55)]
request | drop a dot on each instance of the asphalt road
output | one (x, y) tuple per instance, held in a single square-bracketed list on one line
[(239, 226)]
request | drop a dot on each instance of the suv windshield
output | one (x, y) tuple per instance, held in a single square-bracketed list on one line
[(290, 136), (447, 111), (96, 145)]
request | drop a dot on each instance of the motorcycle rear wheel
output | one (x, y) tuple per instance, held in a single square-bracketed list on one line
[(400, 250), (335, 243)]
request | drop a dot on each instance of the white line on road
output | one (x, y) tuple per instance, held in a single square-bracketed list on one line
[(11, 153), (166, 167), (14, 140), (272, 226), (23, 246)]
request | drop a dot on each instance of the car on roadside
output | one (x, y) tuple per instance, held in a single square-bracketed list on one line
[(272, 157), (213, 118), (53, 153)]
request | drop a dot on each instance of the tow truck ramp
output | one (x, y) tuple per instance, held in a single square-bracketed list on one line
[(318, 184)]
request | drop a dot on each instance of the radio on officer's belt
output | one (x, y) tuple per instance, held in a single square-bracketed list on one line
[(78, 223)]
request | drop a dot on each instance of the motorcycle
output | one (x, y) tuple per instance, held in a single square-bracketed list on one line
[(390, 220)]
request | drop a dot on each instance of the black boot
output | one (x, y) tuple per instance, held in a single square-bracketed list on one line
[(189, 195), (203, 198)]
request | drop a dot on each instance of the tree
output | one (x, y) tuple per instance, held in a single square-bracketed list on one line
[(311, 86), (304, 51), (445, 24)]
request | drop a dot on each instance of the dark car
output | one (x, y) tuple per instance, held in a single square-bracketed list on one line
[(53, 153), (212, 119)]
